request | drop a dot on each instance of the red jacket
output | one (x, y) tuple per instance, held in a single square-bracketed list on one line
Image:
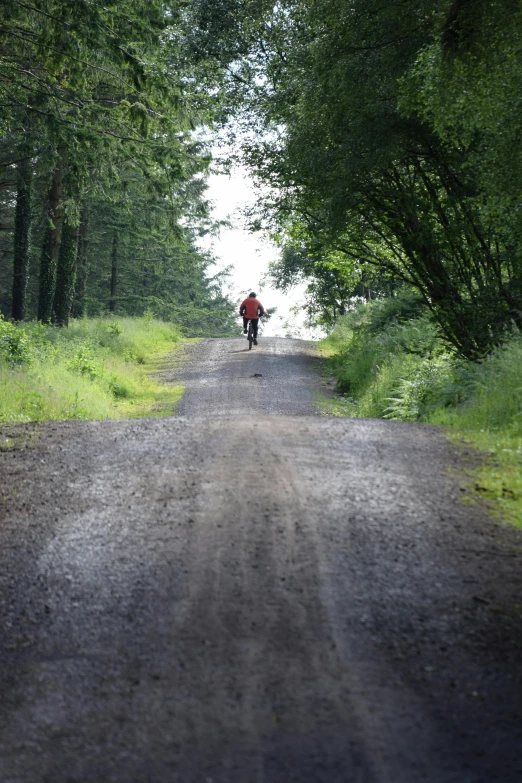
[(251, 308)]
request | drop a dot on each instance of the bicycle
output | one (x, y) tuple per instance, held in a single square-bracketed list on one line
[(250, 335)]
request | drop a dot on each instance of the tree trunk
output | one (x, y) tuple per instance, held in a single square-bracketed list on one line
[(82, 271), (22, 229), (66, 273), (114, 274), (51, 245)]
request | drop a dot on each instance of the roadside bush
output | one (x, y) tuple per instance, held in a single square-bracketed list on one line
[(14, 344), (388, 366), (400, 369), (374, 348), (84, 362), (97, 368), (431, 383), (490, 392)]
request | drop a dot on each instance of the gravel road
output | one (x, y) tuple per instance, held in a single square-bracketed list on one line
[(224, 378), (252, 598)]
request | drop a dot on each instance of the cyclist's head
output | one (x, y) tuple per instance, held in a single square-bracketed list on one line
[(252, 294)]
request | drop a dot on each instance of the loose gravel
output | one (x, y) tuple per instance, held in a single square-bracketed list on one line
[(262, 596)]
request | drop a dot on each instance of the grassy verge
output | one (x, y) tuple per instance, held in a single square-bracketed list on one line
[(389, 363), (98, 368)]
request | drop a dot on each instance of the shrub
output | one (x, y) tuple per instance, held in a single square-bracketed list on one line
[(85, 363), (14, 344), (95, 369), (374, 346), (425, 389), (399, 369)]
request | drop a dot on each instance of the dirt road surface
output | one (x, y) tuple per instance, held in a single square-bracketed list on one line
[(224, 378), (251, 593)]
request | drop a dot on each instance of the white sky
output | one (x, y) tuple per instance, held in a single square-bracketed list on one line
[(249, 253)]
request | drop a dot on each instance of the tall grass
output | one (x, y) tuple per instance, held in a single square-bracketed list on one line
[(98, 368), (390, 364)]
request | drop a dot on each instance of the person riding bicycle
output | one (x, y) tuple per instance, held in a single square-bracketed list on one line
[(251, 309)]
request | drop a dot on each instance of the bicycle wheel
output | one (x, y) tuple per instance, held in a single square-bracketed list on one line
[(250, 335)]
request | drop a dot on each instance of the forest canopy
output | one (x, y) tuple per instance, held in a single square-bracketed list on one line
[(386, 135), (389, 137)]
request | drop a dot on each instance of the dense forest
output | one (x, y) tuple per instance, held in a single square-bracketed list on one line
[(102, 173), (385, 138)]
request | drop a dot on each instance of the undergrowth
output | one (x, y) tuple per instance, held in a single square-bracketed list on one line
[(98, 368), (389, 363)]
